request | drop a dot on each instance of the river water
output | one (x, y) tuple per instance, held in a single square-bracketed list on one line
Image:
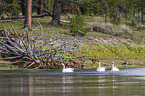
[(126, 82)]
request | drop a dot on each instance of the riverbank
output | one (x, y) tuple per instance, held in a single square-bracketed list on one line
[(6, 65), (129, 48), (131, 63)]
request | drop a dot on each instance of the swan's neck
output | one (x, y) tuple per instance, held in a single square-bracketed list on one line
[(112, 65), (99, 65), (63, 66)]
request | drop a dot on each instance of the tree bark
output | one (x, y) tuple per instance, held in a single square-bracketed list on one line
[(14, 1), (22, 17), (138, 16), (134, 12), (106, 16), (106, 7), (49, 5), (1, 9), (126, 12), (23, 6), (40, 8), (142, 11), (56, 13), (28, 14)]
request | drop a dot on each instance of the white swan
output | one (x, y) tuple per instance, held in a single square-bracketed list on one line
[(67, 69), (100, 68), (114, 68)]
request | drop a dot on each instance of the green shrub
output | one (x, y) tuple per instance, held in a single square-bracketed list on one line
[(98, 19), (77, 25), (114, 17), (14, 9), (123, 29), (96, 22), (140, 27), (100, 26), (104, 28)]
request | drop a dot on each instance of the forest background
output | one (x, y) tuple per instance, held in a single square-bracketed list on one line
[(111, 30)]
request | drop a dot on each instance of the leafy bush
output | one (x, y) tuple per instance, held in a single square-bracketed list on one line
[(104, 27), (77, 25), (108, 28), (141, 27), (114, 17), (98, 19), (100, 26), (123, 29), (14, 9)]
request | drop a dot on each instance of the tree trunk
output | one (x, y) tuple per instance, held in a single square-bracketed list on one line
[(14, 1), (49, 5), (142, 11), (106, 16), (134, 12), (1, 9), (28, 14), (56, 13), (40, 8), (116, 15), (138, 16), (23, 6), (126, 10)]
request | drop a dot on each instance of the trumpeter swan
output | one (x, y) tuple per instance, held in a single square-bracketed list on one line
[(100, 68), (114, 68), (66, 69)]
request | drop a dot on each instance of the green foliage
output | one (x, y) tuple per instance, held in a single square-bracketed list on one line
[(116, 51), (14, 9), (77, 25), (9, 1), (114, 17), (92, 7), (113, 12), (100, 26), (123, 29), (132, 23)]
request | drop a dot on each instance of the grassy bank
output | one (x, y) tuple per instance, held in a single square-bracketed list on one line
[(132, 63), (129, 48)]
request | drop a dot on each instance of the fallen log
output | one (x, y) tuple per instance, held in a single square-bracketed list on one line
[(5, 20), (25, 50), (5, 62), (22, 17), (65, 21)]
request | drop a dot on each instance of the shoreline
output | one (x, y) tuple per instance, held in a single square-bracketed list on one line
[(5, 65)]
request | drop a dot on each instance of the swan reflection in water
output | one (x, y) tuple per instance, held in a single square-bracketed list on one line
[(78, 83), (67, 82)]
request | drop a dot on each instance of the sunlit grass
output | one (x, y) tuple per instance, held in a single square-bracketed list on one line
[(132, 52)]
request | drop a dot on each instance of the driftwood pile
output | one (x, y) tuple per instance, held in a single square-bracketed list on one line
[(31, 50)]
